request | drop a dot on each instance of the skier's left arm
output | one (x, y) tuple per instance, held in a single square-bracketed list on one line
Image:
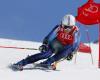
[(76, 40)]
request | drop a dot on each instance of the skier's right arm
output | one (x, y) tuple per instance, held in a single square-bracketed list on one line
[(46, 39), (44, 46)]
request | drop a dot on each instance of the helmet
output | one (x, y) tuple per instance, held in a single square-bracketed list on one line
[(68, 20)]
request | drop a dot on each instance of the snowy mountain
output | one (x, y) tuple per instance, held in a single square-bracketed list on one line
[(80, 68)]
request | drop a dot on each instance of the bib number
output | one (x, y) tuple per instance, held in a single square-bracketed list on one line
[(65, 36)]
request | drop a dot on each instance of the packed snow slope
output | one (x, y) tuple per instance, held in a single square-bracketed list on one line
[(80, 68)]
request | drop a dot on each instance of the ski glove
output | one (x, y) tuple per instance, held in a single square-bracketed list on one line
[(43, 48)]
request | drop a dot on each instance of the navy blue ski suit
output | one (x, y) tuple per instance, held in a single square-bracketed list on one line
[(55, 51)]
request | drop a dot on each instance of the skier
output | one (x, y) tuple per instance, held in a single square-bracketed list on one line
[(60, 43)]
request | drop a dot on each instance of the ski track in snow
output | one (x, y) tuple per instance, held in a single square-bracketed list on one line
[(83, 69)]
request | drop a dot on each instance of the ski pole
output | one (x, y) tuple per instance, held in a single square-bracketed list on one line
[(18, 48)]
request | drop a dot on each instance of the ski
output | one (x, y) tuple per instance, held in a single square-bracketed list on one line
[(34, 66)]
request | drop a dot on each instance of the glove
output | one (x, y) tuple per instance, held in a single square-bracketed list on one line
[(43, 48), (45, 41), (69, 57)]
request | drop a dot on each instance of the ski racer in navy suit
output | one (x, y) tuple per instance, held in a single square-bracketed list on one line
[(61, 42)]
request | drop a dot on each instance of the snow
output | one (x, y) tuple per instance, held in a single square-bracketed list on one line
[(80, 68)]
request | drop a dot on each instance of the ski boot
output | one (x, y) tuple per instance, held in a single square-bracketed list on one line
[(53, 66), (44, 66), (16, 67)]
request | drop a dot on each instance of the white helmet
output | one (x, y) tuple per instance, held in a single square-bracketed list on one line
[(68, 20)]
